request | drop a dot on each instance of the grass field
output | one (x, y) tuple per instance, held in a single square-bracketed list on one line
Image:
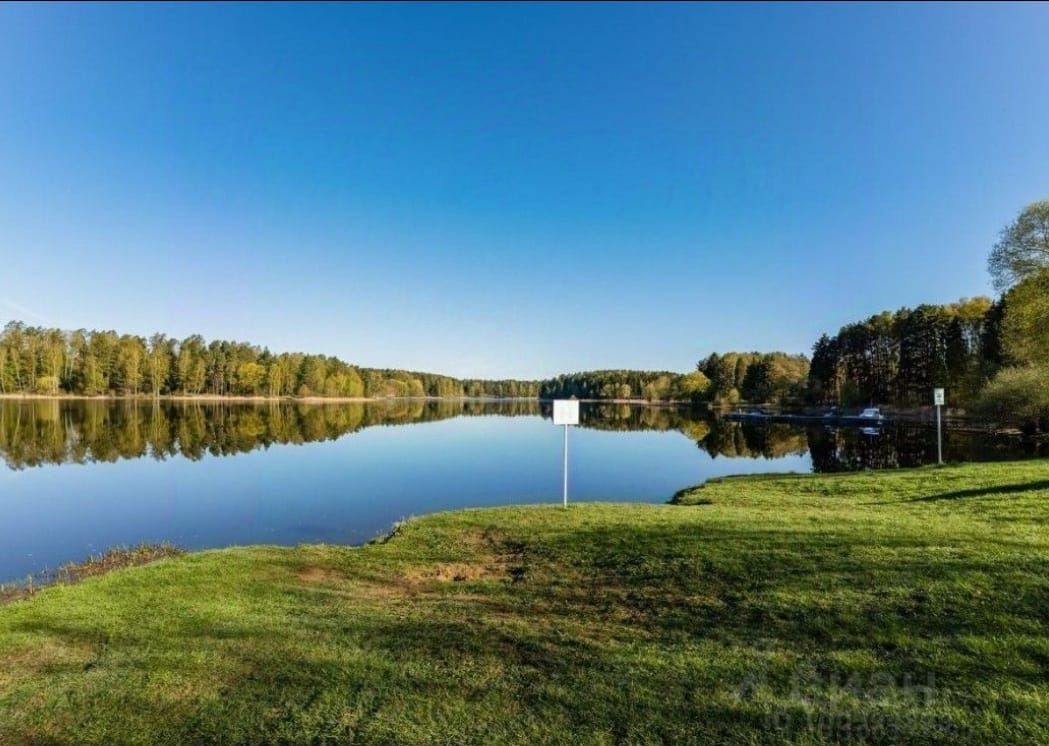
[(889, 607)]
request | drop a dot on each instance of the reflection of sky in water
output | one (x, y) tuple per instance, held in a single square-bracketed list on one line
[(346, 490)]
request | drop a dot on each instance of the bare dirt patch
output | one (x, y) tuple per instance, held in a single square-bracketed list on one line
[(496, 559), (320, 575), (456, 572)]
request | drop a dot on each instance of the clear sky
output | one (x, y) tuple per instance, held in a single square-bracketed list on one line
[(510, 190)]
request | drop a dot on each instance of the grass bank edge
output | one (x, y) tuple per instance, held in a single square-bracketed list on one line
[(123, 558)]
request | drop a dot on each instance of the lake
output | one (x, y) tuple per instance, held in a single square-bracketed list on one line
[(82, 476)]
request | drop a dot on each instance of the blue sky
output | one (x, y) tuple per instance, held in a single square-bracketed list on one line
[(510, 190)]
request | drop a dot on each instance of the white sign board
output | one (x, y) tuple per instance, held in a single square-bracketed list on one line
[(566, 412), (937, 397)]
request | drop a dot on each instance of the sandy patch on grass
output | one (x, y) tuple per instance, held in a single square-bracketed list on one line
[(456, 572), (495, 559), (320, 575)]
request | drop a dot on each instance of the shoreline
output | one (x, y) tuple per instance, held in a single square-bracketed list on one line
[(121, 557)]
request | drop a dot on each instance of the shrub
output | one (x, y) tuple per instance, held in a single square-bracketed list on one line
[(46, 385), (1019, 396), (1025, 335)]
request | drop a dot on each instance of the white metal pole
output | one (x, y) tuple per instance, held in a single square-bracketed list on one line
[(939, 436), (565, 492)]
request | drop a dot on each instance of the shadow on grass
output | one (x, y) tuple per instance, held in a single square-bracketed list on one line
[(811, 590), (999, 489)]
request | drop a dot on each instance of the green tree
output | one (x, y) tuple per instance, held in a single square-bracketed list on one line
[(130, 358), (1025, 325), (899, 357), (250, 378), (14, 341), (825, 373), (96, 362), (278, 377), (158, 363), (1019, 396), (54, 349), (691, 387), (94, 376), (191, 366), (1023, 247), (314, 375)]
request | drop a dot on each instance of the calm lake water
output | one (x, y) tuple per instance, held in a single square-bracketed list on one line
[(80, 477)]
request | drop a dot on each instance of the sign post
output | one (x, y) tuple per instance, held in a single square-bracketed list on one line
[(566, 412), (938, 400)]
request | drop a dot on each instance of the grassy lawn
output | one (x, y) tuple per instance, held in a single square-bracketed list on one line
[(891, 607)]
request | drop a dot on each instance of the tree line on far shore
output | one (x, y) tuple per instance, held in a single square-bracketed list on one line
[(626, 384), (899, 357), (36, 360), (720, 379)]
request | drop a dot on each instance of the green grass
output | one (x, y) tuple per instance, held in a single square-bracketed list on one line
[(891, 607)]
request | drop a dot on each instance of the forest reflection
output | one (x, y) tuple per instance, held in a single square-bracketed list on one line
[(50, 431)]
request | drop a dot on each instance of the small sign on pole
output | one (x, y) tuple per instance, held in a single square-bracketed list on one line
[(566, 412), (938, 399)]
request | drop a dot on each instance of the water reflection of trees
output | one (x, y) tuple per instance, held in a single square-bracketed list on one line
[(716, 436), (855, 449), (745, 440), (40, 432), (852, 449), (693, 422), (831, 449)]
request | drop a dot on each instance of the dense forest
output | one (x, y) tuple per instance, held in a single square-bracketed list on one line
[(92, 363), (899, 357), (35, 360), (626, 384), (755, 377), (721, 379)]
